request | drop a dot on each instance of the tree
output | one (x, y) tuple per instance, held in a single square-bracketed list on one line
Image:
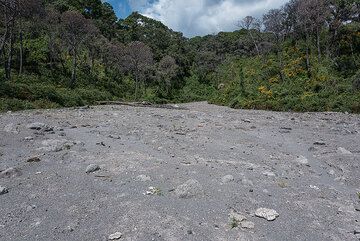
[(76, 29), (139, 59), (274, 22), (250, 23), (312, 15), (167, 70)]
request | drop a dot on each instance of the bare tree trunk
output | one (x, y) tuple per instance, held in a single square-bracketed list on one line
[(5, 35), (8, 66), (307, 56), (73, 74), (21, 49), (136, 85), (253, 39), (318, 44)]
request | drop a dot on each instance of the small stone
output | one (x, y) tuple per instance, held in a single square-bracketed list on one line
[(115, 137), (312, 149), (189, 232), (247, 182), (302, 160), (343, 151), (269, 174), (236, 216), (36, 126), (92, 168), (3, 190), (33, 159), (331, 172), (29, 138), (11, 128), (10, 173), (115, 236), (55, 145), (268, 214), (143, 178), (247, 224), (319, 143), (189, 189), (227, 179)]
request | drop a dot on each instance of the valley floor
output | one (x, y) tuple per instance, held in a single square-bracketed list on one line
[(197, 174)]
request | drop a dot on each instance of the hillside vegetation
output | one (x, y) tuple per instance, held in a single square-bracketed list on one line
[(304, 56)]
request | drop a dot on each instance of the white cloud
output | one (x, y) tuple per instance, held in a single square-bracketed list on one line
[(201, 17)]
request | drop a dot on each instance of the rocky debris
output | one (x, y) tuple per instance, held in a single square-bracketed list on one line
[(285, 130), (302, 160), (10, 173), (116, 137), (153, 191), (115, 236), (189, 189), (92, 168), (266, 213), (143, 178), (331, 172), (56, 145), (247, 224), (247, 182), (3, 190), (269, 174), (237, 220), (11, 128), (319, 143), (343, 151), (36, 126), (235, 215), (33, 159), (28, 138), (227, 179)]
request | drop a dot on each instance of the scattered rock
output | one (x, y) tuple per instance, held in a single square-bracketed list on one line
[(314, 187), (247, 224), (268, 214), (227, 179), (247, 182), (10, 173), (343, 151), (269, 174), (115, 137), (36, 126), (331, 172), (92, 168), (29, 138), (55, 145), (312, 149), (115, 236), (302, 160), (236, 216), (3, 190), (33, 159), (143, 178), (189, 189), (11, 128), (153, 191)]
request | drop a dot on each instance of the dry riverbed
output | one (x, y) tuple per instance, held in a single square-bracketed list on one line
[(202, 173)]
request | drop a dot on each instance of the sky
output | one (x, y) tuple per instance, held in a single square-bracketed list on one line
[(196, 17)]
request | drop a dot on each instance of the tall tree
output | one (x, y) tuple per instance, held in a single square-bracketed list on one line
[(251, 24), (76, 30), (167, 70), (139, 59)]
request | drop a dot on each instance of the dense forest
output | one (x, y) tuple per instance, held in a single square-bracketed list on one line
[(304, 56)]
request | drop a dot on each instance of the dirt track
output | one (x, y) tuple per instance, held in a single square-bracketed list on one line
[(303, 166)]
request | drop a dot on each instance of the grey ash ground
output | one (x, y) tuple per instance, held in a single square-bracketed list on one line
[(206, 173)]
